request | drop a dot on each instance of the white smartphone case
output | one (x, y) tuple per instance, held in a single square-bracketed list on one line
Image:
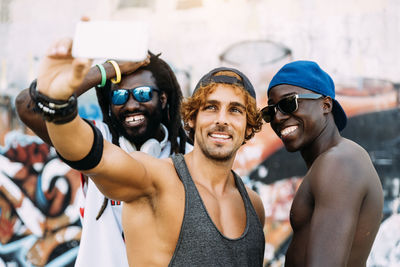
[(119, 40)]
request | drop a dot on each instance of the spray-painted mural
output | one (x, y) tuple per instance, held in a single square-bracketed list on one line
[(39, 212), (39, 219)]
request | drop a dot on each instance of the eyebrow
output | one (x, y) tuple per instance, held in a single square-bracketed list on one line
[(235, 104)]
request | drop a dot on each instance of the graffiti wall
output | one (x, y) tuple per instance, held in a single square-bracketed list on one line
[(39, 212), (39, 220)]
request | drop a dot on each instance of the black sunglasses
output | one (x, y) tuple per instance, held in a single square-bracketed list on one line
[(286, 105), (141, 94)]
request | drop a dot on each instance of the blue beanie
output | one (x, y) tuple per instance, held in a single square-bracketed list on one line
[(308, 75)]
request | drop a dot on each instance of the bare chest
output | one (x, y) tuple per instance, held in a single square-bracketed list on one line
[(302, 207), (227, 211)]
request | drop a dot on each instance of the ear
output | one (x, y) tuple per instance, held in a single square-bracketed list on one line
[(163, 99), (248, 131), (191, 123), (327, 104)]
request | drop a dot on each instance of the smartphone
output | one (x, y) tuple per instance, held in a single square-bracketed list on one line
[(119, 40)]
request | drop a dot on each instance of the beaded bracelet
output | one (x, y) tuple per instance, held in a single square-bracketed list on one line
[(53, 110), (117, 79)]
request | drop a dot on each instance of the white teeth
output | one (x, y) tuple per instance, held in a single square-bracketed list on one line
[(221, 136), (135, 118), (288, 130)]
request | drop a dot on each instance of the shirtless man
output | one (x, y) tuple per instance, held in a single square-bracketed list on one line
[(337, 209), (190, 210)]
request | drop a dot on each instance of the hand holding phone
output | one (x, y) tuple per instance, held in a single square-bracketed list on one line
[(119, 40)]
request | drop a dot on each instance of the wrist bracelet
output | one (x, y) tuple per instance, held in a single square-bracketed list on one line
[(103, 75), (117, 78), (53, 110)]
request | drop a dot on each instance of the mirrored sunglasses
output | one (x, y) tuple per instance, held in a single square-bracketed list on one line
[(286, 105), (141, 94)]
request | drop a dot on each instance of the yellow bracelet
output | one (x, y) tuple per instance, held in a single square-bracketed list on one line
[(117, 79)]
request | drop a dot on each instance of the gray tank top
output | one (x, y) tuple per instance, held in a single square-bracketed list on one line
[(202, 244)]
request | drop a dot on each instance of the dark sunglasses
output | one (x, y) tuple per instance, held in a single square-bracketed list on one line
[(286, 105), (141, 94)]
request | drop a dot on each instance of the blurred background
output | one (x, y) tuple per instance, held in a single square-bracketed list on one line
[(355, 41)]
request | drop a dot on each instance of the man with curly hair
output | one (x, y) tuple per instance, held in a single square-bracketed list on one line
[(190, 210)]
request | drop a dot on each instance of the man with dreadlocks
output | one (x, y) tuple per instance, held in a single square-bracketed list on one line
[(140, 111)]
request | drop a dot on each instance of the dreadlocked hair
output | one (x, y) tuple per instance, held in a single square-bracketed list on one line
[(166, 81)]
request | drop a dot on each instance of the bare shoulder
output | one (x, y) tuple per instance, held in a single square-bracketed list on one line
[(346, 165), (161, 171), (154, 166), (257, 204), (346, 156)]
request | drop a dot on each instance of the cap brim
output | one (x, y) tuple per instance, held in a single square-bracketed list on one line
[(339, 115)]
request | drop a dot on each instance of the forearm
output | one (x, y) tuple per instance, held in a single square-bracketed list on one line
[(93, 77), (34, 121), (25, 106)]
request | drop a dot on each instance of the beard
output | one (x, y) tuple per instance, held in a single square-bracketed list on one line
[(139, 136), (217, 154)]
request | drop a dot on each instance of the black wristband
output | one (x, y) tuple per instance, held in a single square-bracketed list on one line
[(93, 158), (53, 110)]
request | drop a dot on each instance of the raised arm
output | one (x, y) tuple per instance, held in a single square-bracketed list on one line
[(116, 173), (36, 123), (338, 193)]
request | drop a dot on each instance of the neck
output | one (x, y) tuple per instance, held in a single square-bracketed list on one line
[(212, 174), (162, 137), (328, 138)]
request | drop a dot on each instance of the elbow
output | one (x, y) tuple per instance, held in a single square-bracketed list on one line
[(22, 104)]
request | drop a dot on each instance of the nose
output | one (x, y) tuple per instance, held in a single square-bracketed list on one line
[(131, 103), (222, 118)]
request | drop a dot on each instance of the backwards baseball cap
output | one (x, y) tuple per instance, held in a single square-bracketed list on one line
[(308, 75), (210, 77)]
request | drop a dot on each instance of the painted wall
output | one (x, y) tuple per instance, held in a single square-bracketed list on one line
[(355, 41)]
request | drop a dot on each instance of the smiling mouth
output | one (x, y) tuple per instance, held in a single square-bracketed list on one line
[(288, 130), (220, 136), (134, 120)]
